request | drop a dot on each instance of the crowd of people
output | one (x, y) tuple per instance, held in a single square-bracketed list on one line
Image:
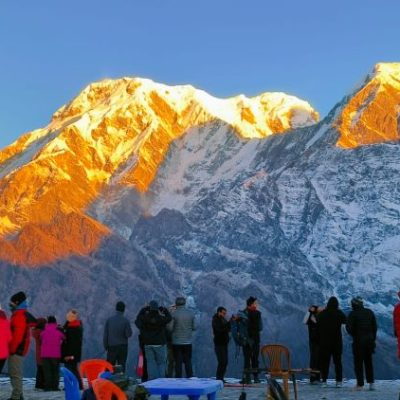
[(165, 339), (53, 344), (325, 340)]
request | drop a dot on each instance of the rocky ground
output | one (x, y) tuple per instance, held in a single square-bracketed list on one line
[(385, 390)]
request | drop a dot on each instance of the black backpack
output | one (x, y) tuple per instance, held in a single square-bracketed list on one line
[(240, 329)]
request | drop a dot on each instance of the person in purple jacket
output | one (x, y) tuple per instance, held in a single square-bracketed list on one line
[(50, 352)]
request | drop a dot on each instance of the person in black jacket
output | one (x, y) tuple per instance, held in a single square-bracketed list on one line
[(72, 346), (251, 350), (329, 324), (361, 325), (310, 319), (221, 328), (152, 322)]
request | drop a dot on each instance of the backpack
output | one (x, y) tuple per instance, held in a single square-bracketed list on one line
[(239, 329)]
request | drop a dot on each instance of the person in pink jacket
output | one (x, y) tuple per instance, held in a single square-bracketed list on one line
[(51, 340), (5, 338), (396, 324)]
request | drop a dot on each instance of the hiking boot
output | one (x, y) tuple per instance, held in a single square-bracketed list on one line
[(256, 380), (358, 388), (371, 386)]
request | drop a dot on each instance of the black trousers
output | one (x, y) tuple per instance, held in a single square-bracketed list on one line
[(221, 351), (362, 353), (325, 359), (73, 367), (2, 362), (183, 355), (314, 361), (39, 377), (51, 367), (118, 355), (250, 354)]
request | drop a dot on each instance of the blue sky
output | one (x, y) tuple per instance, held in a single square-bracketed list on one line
[(316, 50)]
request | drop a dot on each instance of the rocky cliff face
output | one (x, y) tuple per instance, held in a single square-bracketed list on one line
[(146, 191)]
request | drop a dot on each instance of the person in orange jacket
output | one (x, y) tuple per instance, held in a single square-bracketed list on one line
[(5, 338), (21, 322), (396, 324)]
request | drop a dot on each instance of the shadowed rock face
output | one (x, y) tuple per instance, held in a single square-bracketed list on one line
[(291, 219)]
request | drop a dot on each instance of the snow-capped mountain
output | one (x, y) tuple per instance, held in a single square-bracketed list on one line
[(138, 190)]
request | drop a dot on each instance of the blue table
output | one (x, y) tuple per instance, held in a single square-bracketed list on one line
[(193, 387)]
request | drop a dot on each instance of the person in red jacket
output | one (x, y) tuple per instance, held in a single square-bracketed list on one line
[(396, 324), (21, 322), (5, 338)]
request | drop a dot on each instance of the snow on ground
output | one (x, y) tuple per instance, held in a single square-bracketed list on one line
[(385, 390)]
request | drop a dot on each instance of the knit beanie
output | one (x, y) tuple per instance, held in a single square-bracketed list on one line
[(357, 301)]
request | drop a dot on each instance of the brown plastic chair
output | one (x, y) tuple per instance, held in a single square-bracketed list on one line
[(106, 390), (276, 359), (92, 368)]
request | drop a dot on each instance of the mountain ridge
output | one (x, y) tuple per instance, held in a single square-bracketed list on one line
[(291, 219)]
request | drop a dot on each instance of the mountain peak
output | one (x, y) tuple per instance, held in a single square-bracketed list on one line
[(372, 113), (259, 116)]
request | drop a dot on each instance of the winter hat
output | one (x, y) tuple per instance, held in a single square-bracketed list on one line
[(18, 298), (251, 300), (72, 315), (357, 301), (120, 306), (153, 305), (180, 301), (51, 319)]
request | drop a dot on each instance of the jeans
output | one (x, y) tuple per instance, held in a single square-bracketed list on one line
[(156, 360), (170, 362), (183, 354)]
